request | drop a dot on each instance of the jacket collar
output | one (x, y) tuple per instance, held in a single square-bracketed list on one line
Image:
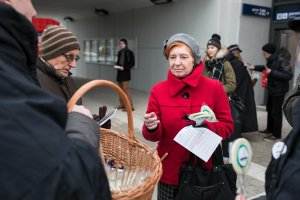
[(176, 84)]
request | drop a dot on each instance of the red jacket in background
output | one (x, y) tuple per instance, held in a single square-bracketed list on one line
[(40, 24), (172, 100)]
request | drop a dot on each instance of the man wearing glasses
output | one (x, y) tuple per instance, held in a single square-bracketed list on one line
[(59, 51)]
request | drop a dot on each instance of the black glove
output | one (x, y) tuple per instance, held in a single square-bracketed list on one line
[(102, 112)]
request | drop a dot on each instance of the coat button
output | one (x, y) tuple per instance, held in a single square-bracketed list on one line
[(186, 95)]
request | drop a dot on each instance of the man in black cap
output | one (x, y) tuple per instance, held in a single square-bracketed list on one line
[(124, 64), (279, 73)]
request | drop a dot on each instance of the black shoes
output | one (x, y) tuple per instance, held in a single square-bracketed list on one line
[(271, 138), (266, 131)]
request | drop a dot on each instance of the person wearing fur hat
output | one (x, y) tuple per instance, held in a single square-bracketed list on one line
[(216, 66), (279, 70), (59, 50), (171, 101)]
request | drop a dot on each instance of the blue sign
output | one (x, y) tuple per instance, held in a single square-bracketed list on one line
[(286, 13), (254, 10)]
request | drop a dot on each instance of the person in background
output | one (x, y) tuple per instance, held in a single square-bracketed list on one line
[(236, 51), (45, 153), (216, 66), (243, 90), (171, 101), (59, 53), (279, 72), (283, 172), (124, 64)]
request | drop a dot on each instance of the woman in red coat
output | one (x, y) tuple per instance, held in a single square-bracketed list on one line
[(170, 101)]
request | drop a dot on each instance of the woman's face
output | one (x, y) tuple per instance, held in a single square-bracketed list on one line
[(212, 51), (181, 61), (236, 53)]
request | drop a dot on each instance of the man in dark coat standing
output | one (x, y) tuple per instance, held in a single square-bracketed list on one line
[(279, 73), (45, 153), (125, 63)]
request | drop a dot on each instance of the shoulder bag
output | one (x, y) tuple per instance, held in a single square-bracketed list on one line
[(198, 183), (237, 107)]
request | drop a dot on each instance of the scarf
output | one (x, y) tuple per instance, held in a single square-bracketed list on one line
[(217, 67)]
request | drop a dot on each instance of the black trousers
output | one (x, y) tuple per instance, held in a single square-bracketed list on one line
[(274, 119)]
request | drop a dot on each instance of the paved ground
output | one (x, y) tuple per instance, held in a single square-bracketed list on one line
[(254, 180)]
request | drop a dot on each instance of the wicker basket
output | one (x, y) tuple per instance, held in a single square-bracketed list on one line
[(124, 149)]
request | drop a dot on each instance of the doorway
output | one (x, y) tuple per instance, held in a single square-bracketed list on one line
[(290, 40)]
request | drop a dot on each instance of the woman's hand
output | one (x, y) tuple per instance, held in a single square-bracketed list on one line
[(250, 67), (151, 121)]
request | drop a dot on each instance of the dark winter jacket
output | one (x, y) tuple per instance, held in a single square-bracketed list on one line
[(281, 72), (283, 173), (244, 89), (171, 105), (41, 155), (129, 62), (52, 82)]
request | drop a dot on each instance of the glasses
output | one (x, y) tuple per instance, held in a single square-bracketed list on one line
[(71, 57)]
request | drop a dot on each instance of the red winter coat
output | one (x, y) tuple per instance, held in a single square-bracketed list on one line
[(172, 100)]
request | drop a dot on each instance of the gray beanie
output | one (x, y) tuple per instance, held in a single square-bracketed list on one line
[(189, 41)]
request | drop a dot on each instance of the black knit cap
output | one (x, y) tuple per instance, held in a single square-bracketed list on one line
[(215, 41), (56, 41), (269, 48)]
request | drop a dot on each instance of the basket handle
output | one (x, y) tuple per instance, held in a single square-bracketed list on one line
[(91, 84)]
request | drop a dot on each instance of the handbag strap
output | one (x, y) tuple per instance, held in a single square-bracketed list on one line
[(217, 157)]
